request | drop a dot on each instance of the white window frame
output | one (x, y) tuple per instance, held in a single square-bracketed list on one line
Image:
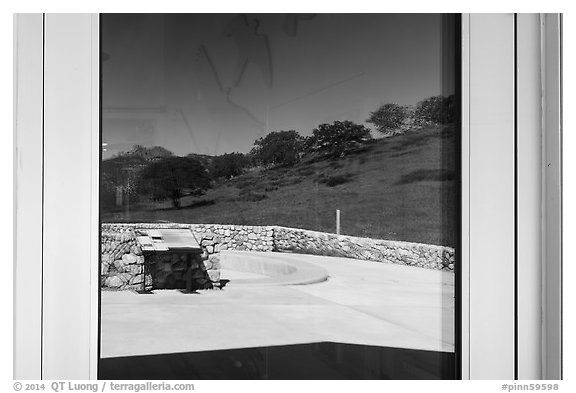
[(510, 247)]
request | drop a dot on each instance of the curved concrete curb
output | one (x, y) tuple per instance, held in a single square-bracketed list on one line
[(279, 269)]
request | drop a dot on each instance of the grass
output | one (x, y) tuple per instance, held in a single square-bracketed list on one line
[(336, 180), (399, 188), (427, 175)]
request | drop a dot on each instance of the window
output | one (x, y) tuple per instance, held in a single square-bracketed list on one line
[(314, 159), (489, 201)]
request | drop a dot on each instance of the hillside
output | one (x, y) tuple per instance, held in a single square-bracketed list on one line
[(402, 188)]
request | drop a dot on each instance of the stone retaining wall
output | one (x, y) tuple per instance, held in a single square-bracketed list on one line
[(216, 237), (125, 266), (123, 262), (320, 243)]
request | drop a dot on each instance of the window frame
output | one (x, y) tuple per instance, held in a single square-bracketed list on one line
[(57, 66)]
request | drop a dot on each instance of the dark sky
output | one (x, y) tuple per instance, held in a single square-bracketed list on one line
[(210, 84)]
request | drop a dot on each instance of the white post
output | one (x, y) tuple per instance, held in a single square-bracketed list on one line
[(337, 221)]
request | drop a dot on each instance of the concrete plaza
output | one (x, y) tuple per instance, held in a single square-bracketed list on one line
[(362, 302)]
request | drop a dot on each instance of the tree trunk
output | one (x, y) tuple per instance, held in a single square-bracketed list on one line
[(176, 195)]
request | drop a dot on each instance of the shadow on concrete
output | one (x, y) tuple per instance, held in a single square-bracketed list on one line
[(319, 361), (277, 268)]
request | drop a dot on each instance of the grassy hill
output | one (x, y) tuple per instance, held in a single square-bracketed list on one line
[(402, 188)]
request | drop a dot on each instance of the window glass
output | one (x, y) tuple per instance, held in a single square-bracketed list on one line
[(279, 196)]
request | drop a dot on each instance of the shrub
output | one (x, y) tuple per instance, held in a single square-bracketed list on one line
[(336, 180)]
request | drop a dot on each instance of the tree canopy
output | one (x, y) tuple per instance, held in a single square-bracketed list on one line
[(119, 173), (228, 165), (170, 177), (337, 138), (147, 153), (278, 147), (388, 117), (438, 110)]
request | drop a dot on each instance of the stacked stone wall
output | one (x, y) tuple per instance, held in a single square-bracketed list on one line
[(216, 237), (122, 262), (320, 243), (123, 265)]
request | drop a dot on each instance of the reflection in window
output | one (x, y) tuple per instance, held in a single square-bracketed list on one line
[(312, 159)]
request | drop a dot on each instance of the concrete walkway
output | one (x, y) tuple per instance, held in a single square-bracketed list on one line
[(362, 302)]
